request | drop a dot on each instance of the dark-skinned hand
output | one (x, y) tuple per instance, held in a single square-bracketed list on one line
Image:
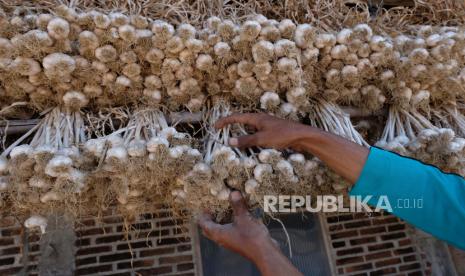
[(271, 132)]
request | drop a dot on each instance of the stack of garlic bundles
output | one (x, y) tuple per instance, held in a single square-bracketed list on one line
[(70, 64)]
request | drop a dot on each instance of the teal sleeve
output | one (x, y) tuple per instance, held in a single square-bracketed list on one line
[(405, 181)]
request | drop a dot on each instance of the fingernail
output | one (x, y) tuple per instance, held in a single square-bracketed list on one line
[(233, 142), (235, 196)]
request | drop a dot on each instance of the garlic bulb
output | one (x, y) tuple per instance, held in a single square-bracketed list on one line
[(58, 65), (250, 186), (156, 144), (269, 100), (58, 166), (224, 194), (261, 170), (118, 154), (58, 28), (22, 150), (36, 221), (75, 99), (269, 155), (137, 148)]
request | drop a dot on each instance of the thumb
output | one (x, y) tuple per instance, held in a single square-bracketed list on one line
[(210, 229), (245, 141), (238, 204)]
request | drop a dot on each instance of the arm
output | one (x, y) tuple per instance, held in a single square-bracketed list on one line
[(418, 193), (374, 172), (341, 155), (250, 238)]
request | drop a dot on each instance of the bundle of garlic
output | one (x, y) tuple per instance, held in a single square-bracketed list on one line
[(142, 159), (412, 134), (423, 91), (331, 118), (222, 168), (48, 171)]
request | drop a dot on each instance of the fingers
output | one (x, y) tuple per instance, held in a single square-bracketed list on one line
[(250, 119), (245, 141), (238, 204), (211, 230)]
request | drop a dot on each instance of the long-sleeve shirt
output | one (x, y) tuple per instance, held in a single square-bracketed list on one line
[(439, 197)]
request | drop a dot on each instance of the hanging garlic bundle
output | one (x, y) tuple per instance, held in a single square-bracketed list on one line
[(331, 118), (143, 158), (410, 133), (47, 171), (221, 164), (205, 186), (351, 62)]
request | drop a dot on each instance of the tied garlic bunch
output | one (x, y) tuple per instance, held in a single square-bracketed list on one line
[(410, 133), (143, 157), (221, 168), (49, 169)]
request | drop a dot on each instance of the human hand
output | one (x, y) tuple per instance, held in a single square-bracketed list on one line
[(246, 235), (250, 238), (272, 132)]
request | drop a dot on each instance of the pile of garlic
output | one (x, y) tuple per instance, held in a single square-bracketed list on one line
[(274, 64), (65, 166), (278, 66), (69, 60)]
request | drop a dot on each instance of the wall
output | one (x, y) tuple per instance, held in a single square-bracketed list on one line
[(372, 245), (157, 245), (11, 248)]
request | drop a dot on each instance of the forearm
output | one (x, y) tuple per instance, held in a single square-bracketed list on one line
[(346, 158), (271, 262)]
